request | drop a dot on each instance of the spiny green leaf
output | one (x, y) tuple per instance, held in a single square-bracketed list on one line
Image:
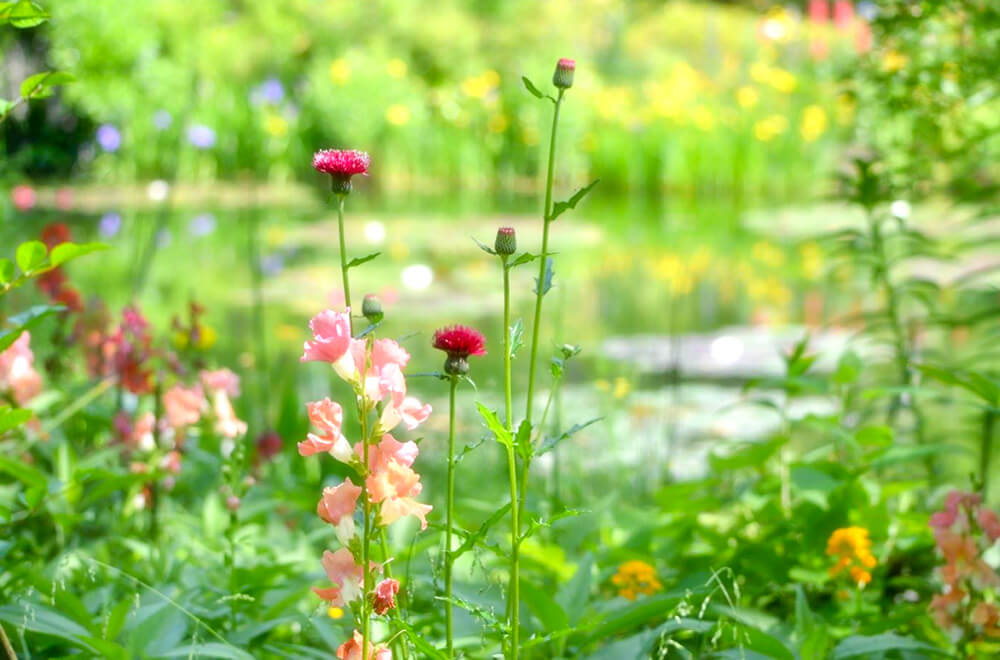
[(525, 258), (357, 261), (515, 337), (552, 441), (561, 207), (502, 435), (547, 279)]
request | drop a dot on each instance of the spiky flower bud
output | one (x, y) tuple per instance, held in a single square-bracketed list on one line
[(563, 76), (371, 308), (456, 365), (506, 243)]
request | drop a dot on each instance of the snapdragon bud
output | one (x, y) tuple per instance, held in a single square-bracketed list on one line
[(371, 308), (563, 76)]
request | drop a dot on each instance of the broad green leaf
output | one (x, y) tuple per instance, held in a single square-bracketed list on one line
[(26, 473), (573, 595), (502, 435), (26, 320), (357, 261), (40, 85), (207, 650), (561, 207), (66, 251), (639, 613), (30, 255), (544, 607), (522, 439), (858, 646), (23, 14), (525, 258), (12, 417), (874, 436)]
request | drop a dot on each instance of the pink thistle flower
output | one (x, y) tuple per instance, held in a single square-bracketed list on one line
[(331, 337), (384, 598), (353, 649), (345, 575), (221, 379), (338, 502), (327, 416), (183, 405), (460, 341), (341, 162)]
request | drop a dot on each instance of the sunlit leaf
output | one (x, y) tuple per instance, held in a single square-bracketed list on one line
[(561, 207)]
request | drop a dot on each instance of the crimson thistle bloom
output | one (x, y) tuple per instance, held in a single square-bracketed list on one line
[(341, 165), (459, 342)]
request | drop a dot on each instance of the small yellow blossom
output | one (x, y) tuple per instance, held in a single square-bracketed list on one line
[(893, 61), (335, 613), (852, 548), (636, 578), (783, 81), (812, 260), (276, 126), (397, 115), (813, 123), (747, 97), (845, 109), (396, 67), (207, 336), (497, 124), (340, 71), (770, 127), (621, 388)]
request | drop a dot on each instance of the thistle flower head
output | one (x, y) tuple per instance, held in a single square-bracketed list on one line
[(459, 342), (341, 165), (506, 241), (563, 76)]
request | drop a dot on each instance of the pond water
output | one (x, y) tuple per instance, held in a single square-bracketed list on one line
[(625, 268)]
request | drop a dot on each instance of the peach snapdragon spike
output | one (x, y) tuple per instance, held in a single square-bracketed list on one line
[(386, 487), (966, 608)]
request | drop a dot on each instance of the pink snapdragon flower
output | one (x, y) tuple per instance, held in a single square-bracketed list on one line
[(221, 379), (394, 488), (384, 598), (227, 424), (353, 649), (183, 405), (346, 576), (337, 508), (341, 162), (327, 416), (17, 371), (389, 449), (331, 337)]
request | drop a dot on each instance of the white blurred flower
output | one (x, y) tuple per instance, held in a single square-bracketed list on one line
[(726, 350), (157, 190), (417, 277), (375, 232), (901, 209)]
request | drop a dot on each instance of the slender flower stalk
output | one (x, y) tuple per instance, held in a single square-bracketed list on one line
[(345, 277), (459, 342)]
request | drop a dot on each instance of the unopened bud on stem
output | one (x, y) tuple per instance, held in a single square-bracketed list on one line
[(563, 77), (506, 243), (371, 308)]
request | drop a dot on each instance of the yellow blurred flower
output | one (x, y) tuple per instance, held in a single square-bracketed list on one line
[(760, 72), (700, 260), (845, 109), (703, 118), (276, 126), (812, 260), (288, 332), (399, 251), (497, 124), (747, 96), (813, 123), (530, 135), (340, 71), (207, 336), (335, 613), (783, 81), (621, 388), (852, 548), (396, 67), (893, 61), (636, 578), (397, 115), (770, 127), (479, 87)]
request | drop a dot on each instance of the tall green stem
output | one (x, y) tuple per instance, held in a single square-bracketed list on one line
[(399, 643), (449, 521), (343, 255), (514, 589), (367, 505), (900, 344), (543, 258), (986, 451)]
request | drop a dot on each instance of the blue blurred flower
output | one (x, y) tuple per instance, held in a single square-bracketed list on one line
[(272, 264), (163, 238), (201, 136), (162, 120), (109, 225), (270, 91), (109, 137), (202, 225)]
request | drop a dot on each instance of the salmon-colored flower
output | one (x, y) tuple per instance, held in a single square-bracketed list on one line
[(410, 412), (331, 337), (221, 379), (346, 576), (227, 424), (183, 405), (353, 649), (394, 488), (327, 416), (17, 371), (338, 502), (384, 598), (389, 449)]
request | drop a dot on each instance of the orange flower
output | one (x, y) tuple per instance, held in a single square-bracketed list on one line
[(853, 549), (634, 578)]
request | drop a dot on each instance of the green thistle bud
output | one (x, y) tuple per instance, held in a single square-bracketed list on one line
[(371, 308), (506, 243), (563, 77), (456, 365), (340, 185)]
